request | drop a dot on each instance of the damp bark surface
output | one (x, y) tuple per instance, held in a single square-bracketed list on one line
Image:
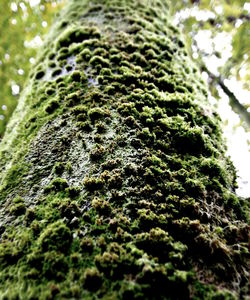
[(114, 182)]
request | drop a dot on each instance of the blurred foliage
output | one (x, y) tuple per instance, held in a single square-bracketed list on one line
[(228, 16), (225, 23), (226, 26), (22, 27)]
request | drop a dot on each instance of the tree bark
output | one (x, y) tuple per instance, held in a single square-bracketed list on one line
[(114, 179)]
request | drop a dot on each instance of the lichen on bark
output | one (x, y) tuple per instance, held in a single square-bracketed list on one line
[(114, 181)]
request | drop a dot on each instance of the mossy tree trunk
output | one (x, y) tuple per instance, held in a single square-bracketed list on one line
[(114, 179)]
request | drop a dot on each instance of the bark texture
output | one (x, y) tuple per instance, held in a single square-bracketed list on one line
[(114, 180)]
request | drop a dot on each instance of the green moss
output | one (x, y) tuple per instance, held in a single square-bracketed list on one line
[(101, 206), (79, 108), (39, 75), (97, 152), (52, 106), (211, 166), (55, 265), (81, 117), (93, 184), (18, 209), (51, 64), (97, 113), (59, 168), (51, 56), (139, 201), (210, 292), (56, 236), (50, 91), (69, 209), (85, 54), (195, 187), (57, 184), (69, 68), (77, 76), (69, 167), (115, 181), (84, 126), (74, 35), (92, 279), (57, 71), (106, 261), (87, 245), (100, 127), (8, 254), (73, 191), (99, 60), (12, 178)]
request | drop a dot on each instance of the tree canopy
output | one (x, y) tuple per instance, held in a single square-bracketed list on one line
[(22, 28)]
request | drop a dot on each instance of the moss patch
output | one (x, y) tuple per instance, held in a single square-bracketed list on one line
[(114, 182)]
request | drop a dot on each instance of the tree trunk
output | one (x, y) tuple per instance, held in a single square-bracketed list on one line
[(114, 181)]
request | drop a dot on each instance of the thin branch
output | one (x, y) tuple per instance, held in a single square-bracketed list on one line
[(234, 101), (237, 107)]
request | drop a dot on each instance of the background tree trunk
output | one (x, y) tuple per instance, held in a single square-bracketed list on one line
[(114, 180)]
